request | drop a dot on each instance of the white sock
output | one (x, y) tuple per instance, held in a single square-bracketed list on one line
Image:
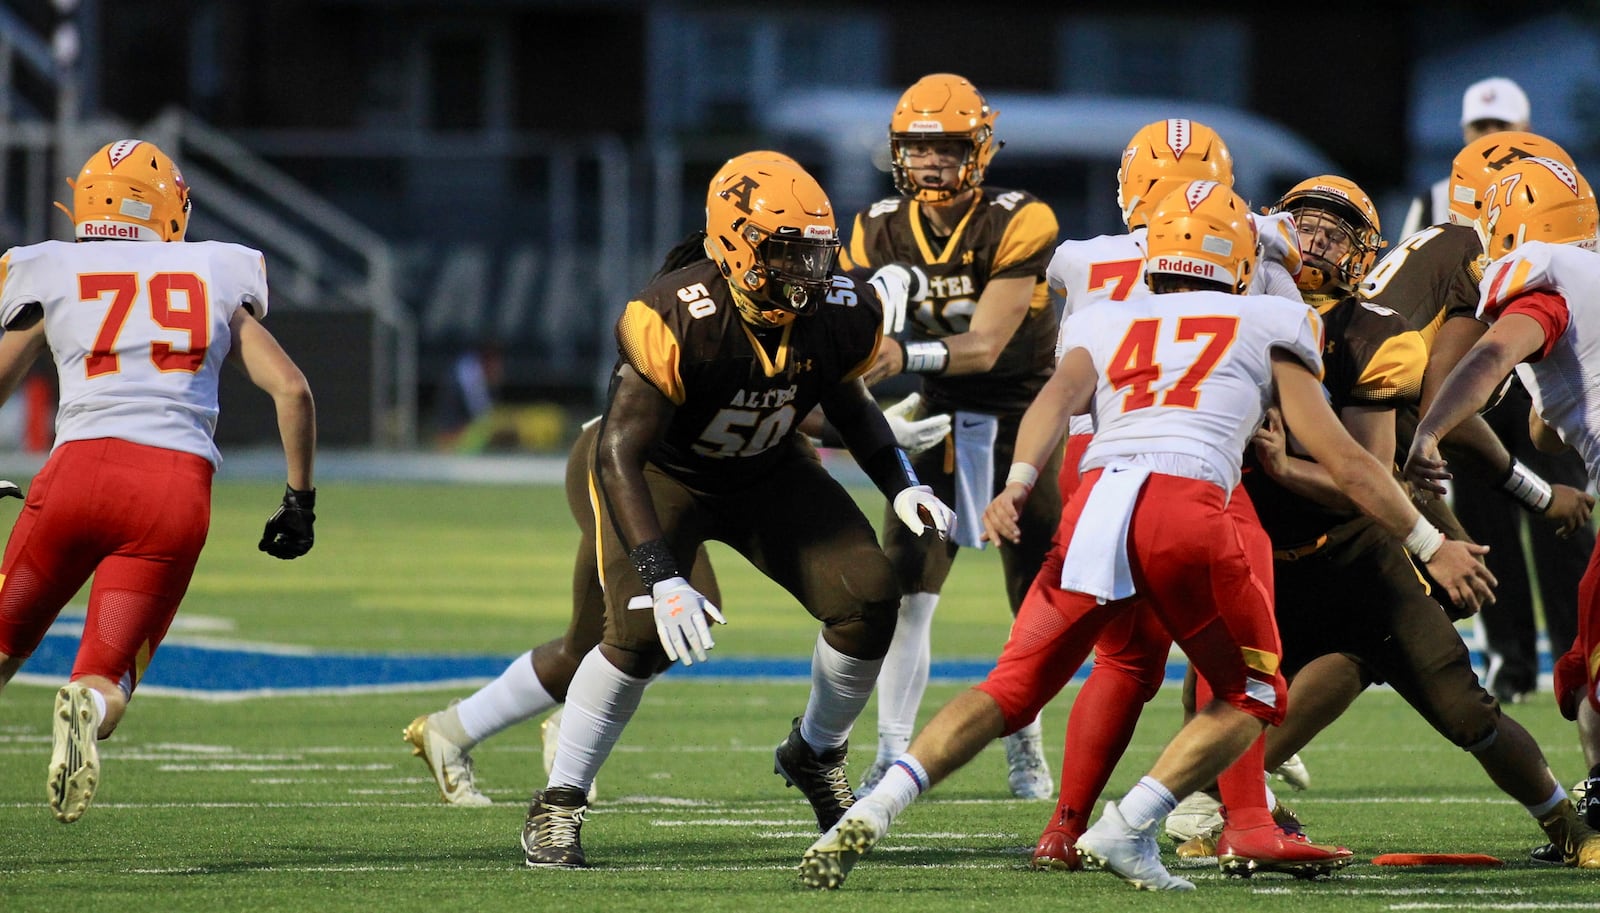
[(1543, 808), (1272, 799), (1148, 801), (515, 696), (99, 702), (904, 781), (905, 674), (600, 702), (840, 686)]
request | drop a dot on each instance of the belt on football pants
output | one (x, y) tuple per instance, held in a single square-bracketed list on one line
[(1299, 551)]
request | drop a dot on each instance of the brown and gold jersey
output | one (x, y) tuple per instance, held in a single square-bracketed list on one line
[(1429, 278), (1371, 357), (1007, 233), (740, 391)]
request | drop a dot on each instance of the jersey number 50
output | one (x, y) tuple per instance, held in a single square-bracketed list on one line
[(194, 318)]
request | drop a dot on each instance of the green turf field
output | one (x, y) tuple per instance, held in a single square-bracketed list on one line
[(313, 803)]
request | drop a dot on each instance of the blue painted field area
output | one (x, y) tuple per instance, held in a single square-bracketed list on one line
[(191, 668)]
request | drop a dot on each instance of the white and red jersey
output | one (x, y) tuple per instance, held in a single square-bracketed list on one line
[(1184, 377), (1103, 268), (1111, 268), (138, 331), (1559, 286)]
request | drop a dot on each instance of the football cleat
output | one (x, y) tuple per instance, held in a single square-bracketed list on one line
[(550, 735), (1129, 854), (820, 777), (869, 780), (1199, 813), (450, 765), (1057, 851), (1294, 773), (1578, 842), (1547, 854), (1027, 773), (829, 860), (74, 757), (1242, 852), (1586, 799), (550, 836)]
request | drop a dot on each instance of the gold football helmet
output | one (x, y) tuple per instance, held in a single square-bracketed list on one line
[(1163, 156), (770, 229), (942, 106), (1339, 232), (130, 191), (1480, 162), (1537, 199), (1202, 229)]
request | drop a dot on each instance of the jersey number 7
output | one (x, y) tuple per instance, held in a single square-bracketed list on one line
[(1134, 366), (193, 318)]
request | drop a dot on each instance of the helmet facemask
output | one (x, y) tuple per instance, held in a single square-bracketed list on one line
[(789, 277), (969, 171), (1339, 234)]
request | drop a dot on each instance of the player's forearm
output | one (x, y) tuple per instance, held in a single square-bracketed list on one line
[(1309, 480), (1466, 390), (297, 426)]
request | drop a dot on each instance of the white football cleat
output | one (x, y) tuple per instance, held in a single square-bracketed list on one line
[(1294, 773), (1131, 855), (74, 757), (1196, 816), (450, 765), (829, 860), (1028, 774)]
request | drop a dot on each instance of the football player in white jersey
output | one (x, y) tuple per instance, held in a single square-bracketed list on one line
[(138, 333), (1177, 381), (1541, 297), (1130, 661)]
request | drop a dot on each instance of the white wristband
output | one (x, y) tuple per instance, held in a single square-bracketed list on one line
[(1024, 474), (926, 357), (1424, 540), (1527, 488)]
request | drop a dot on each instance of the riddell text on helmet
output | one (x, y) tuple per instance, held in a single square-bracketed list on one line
[(1182, 265), (111, 230)]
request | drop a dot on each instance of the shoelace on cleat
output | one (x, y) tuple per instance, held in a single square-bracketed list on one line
[(557, 828)]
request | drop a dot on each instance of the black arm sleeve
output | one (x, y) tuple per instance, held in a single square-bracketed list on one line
[(865, 433)]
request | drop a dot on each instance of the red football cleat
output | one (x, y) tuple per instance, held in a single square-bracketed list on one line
[(1245, 851), (1055, 850)]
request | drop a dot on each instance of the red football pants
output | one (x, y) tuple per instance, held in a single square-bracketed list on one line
[(135, 518)]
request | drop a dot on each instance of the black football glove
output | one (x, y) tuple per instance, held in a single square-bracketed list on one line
[(288, 533), (9, 489)]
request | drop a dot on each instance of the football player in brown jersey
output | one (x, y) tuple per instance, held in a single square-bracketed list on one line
[(1345, 589), (719, 362), (982, 340), (537, 680)]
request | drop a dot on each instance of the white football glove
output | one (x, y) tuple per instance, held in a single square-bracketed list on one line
[(681, 619), (911, 502), (10, 489), (899, 286), (915, 435), (1280, 240)]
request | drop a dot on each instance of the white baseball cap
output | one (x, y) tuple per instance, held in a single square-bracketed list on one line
[(1496, 98)]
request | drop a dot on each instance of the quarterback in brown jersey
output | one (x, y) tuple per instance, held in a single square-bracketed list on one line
[(981, 333), (1346, 589), (719, 361)]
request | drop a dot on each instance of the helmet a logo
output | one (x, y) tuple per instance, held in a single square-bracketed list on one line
[(1180, 133), (1196, 193), (739, 194), (121, 149)]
